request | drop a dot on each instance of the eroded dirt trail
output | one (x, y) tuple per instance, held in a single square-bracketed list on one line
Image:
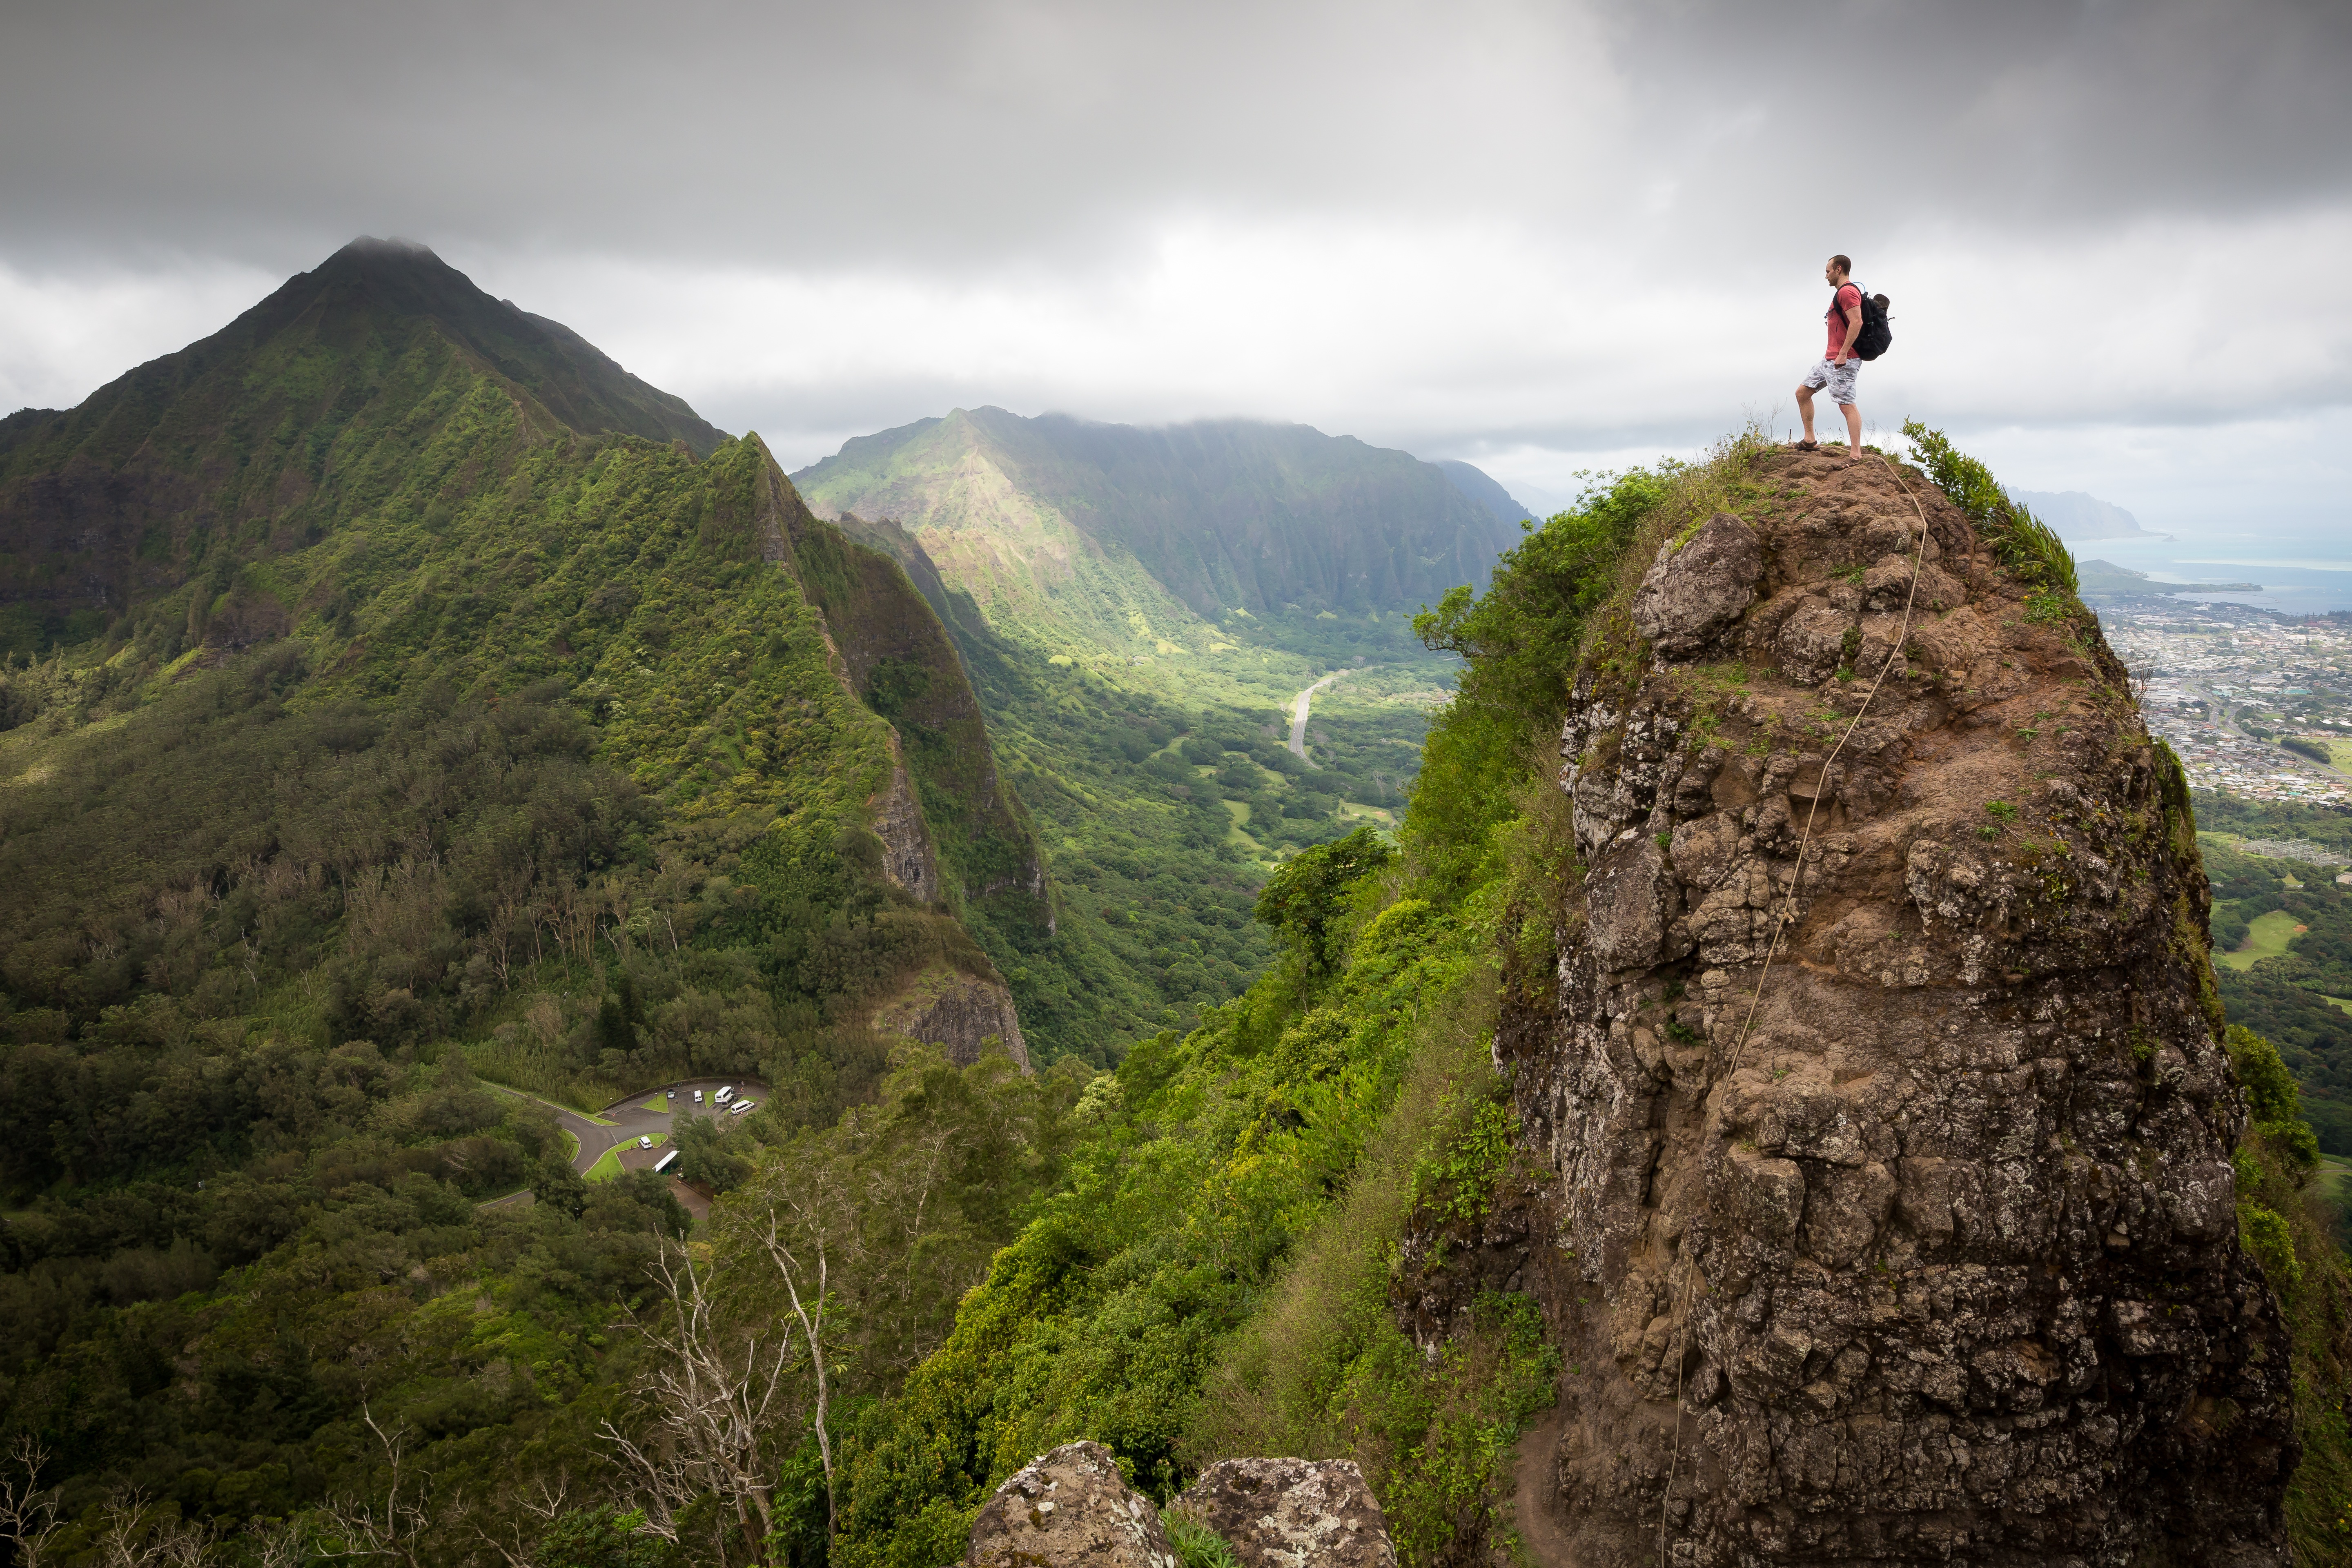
[(1531, 1488)]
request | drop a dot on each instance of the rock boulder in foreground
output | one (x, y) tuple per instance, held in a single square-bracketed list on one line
[(1292, 1514), (1069, 1508)]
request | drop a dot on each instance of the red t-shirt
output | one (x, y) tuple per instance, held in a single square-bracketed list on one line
[(1849, 297)]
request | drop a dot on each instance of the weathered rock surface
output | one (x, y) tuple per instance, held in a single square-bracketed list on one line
[(908, 858), (1693, 591), (1938, 1261), (1292, 1514), (1069, 1508), (957, 1012)]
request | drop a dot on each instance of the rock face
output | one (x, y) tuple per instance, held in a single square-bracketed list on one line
[(907, 859), (1698, 586), (1069, 1508), (1292, 1514), (1937, 1261), (957, 1012)]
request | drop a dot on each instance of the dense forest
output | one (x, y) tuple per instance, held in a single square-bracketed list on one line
[(519, 756), (2283, 941)]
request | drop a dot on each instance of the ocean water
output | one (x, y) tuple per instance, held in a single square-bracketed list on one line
[(2300, 574)]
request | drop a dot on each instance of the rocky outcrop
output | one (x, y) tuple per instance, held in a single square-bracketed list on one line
[(1698, 586), (958, 1013), (1292, 1514), (1069, 1508), (907, 859), (1921, 1247)]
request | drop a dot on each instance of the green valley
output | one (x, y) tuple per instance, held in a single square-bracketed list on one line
[(400, 700), (1139, 610)]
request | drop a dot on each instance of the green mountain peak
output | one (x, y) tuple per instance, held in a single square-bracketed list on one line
[(281, 424)]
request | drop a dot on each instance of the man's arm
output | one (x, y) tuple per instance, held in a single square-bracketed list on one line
[(1853, 330)]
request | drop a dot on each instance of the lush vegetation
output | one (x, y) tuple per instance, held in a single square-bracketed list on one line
[(2293, 998), (1161, 809), (507, 755), (2026, 545), (1216, 1276)]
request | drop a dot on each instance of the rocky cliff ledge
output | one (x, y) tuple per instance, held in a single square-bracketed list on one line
[(957, 1012), (1938, 1261)]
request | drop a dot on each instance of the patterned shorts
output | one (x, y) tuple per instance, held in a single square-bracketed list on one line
[(1838, 378)]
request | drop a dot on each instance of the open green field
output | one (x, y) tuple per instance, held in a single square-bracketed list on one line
[(2267, 936), (2333, 1177)]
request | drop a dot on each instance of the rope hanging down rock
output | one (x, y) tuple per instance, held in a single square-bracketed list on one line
[(1788, 917)]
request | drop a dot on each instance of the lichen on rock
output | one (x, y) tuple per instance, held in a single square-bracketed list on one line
[(1292, 1514), (1069, 1508), (1925, 1250)]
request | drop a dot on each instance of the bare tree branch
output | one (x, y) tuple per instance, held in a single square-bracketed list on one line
[(393, 1526), (28, 1511), (713, 1398)]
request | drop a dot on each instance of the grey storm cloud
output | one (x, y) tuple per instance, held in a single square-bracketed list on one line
[(945, 135), (1524, 234)]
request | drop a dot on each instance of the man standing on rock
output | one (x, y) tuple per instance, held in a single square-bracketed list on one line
[(1839, 364)]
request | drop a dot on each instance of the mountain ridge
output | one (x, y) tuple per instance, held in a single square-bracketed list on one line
[(110, 498), (1154, 530)]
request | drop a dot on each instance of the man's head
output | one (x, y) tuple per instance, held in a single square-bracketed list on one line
[(1837, 271)]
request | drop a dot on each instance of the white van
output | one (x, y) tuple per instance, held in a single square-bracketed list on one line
[(741, 1106), (645, 1142), (726, 1092)]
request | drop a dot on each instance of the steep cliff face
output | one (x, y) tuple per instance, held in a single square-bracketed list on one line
[(958, 1013), (1919, 1244), (948, 812)]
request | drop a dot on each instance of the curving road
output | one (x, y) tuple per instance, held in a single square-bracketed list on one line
[(1299, 715), (624, 1123)]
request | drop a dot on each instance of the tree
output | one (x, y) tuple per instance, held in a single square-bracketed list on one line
[(1302, 900), (390, 1525), (819, 1218), (703, 1157), (28, 1511), (714, 1397), (558, 1185), (600, 1538)]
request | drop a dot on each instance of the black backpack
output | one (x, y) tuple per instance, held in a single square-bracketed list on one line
[(1876, 335)]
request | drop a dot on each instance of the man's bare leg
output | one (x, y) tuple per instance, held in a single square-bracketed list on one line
[(1853, 412), (1805, 409)]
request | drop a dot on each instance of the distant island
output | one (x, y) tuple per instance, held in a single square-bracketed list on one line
[(2106, 579), (2079, 516)]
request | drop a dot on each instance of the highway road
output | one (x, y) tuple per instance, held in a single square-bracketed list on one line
[(1299, 715)]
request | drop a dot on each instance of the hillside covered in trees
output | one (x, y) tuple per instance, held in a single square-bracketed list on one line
[(427, 739)]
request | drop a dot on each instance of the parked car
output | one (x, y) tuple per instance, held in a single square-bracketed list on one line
[(741, 1106), (645, 1142), (698, 1097)]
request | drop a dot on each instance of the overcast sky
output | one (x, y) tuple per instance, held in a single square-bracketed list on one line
[(1539, 237)]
